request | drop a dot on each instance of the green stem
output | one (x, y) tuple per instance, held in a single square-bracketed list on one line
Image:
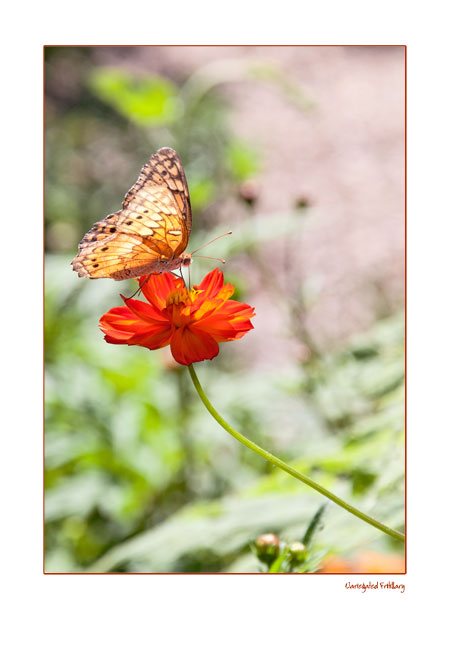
[(285, 467)]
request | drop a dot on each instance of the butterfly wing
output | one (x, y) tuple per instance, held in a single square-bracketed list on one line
[(149, 233)]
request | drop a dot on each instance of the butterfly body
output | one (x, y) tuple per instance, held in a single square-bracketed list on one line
[(149, 234), (157, 267)]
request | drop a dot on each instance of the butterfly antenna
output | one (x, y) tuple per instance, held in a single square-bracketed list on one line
[(213, 240), (221, 260)]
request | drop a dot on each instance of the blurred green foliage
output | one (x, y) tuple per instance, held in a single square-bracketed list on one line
[(147, 100), (131, 452), (114, 114), (138, 475)]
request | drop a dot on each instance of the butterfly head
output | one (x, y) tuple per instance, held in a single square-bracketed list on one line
[(186, 259)]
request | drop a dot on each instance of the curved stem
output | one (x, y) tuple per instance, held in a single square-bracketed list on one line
[(285, 467)]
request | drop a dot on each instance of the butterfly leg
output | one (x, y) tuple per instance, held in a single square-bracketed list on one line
[(180, 276), (139, 288)]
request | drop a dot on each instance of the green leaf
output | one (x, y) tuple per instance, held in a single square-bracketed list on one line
[(243, 160), (145, 100)]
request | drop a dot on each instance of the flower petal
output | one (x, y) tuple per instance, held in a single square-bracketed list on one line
[(120, 323), (226, 292), (121, 326), (206, 308), (159, 286), (211, 285), (224, 330), (237, 309), (189, 346), (146, 312), (160, 338), (230, 321)]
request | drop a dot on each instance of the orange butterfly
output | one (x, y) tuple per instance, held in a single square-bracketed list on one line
[(150, 233)]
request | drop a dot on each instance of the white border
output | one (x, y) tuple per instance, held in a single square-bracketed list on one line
[(220, 615)]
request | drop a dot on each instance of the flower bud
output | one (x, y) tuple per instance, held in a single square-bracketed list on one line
[(267, 548), (249, 192), (302, 203), (297, 551)]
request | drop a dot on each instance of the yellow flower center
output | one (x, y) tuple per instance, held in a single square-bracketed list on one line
[(181, 296)]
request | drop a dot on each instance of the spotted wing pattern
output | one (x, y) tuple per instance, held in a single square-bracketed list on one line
[(151, 231)]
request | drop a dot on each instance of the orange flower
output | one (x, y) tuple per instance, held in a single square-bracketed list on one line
[(192, 322), (365, 562)]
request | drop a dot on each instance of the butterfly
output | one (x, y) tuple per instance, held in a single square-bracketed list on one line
[(151, 232)]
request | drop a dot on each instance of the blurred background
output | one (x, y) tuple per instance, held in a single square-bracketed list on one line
[(300, 152)]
